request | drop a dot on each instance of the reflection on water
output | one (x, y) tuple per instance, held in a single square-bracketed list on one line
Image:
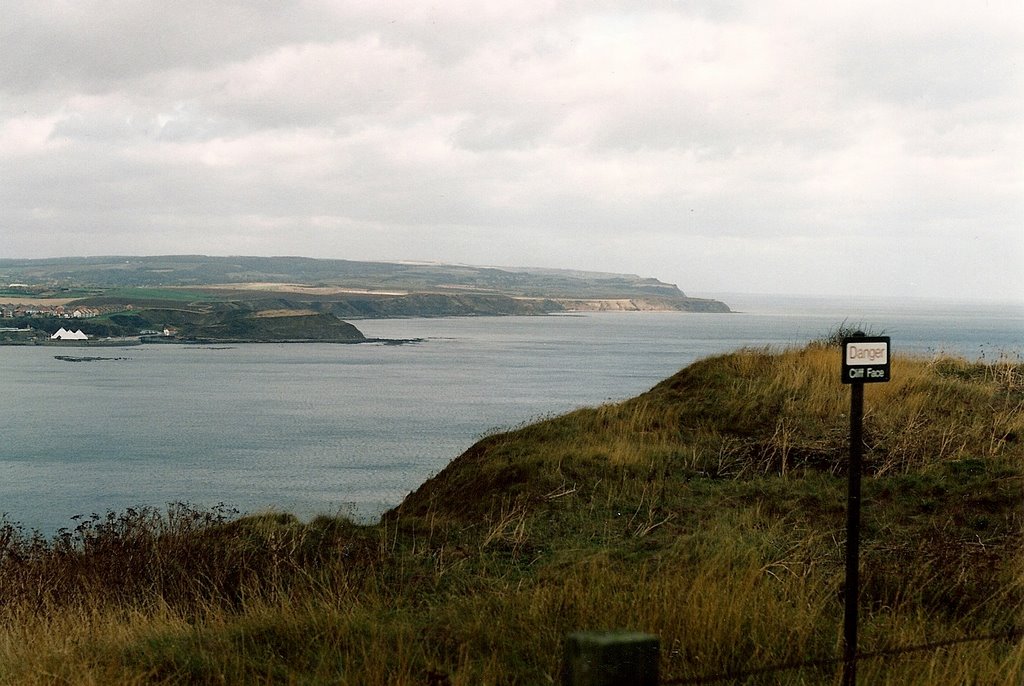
[(312, 428)]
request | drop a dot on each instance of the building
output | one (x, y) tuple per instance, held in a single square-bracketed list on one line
[(63, 335)]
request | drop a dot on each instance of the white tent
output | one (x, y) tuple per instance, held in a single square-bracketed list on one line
[(63, 335)]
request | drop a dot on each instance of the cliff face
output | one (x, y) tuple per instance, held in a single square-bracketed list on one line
[(377, 306), (680, 304)]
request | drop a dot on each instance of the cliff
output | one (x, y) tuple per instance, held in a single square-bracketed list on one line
[(344, 287)]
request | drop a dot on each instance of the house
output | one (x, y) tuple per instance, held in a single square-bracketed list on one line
[(63, 335)]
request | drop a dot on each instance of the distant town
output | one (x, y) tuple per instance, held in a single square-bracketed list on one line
[(30, 318), (12, 311)]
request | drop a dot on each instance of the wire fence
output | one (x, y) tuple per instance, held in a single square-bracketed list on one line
[(1010, 634)]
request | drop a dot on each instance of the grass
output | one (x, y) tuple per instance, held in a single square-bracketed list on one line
[(709, 510), (171, 295)]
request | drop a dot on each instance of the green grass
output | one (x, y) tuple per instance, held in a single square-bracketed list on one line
[(710, 511), (149, 297)]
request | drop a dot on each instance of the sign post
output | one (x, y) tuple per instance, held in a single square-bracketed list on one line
[(865, 360)]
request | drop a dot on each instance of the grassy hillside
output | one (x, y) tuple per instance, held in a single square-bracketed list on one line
[(367, 289), (220, 322), (709, 511), (239, 323), (193, 270)]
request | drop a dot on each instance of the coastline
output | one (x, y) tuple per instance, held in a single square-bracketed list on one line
[(102, 343), (135, 342)]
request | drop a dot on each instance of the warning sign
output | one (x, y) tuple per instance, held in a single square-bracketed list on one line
[(865, 359)]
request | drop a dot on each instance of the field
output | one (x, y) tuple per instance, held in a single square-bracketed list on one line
[(709, 511), (11, 299), (345, 288), (159, 295)]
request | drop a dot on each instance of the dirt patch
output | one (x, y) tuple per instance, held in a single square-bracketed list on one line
[(266, 314), (296, 288), (7, 300)]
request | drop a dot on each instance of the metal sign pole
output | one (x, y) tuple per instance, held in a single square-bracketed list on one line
[(853, 535), (866, 359)]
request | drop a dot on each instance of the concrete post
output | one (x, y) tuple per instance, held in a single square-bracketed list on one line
[(611, 658)]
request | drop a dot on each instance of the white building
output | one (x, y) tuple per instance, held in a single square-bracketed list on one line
[(63, 335)]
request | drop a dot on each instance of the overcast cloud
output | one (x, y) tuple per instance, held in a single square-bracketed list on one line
[(777, 147)]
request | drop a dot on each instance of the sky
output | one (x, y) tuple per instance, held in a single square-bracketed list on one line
[(802, 147)]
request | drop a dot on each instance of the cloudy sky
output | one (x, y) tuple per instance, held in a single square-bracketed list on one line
[(773, 147)]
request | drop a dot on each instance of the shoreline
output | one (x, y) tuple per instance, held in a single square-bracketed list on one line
[(134, 342)]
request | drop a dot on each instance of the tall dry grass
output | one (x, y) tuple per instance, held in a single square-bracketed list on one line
[(709, 511)]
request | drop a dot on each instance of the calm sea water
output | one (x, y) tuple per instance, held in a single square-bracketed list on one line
[(353, 428)]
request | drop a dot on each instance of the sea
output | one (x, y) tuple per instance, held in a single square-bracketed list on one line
[(352, 429)]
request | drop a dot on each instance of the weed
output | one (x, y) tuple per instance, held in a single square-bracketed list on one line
[(709, 510)]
